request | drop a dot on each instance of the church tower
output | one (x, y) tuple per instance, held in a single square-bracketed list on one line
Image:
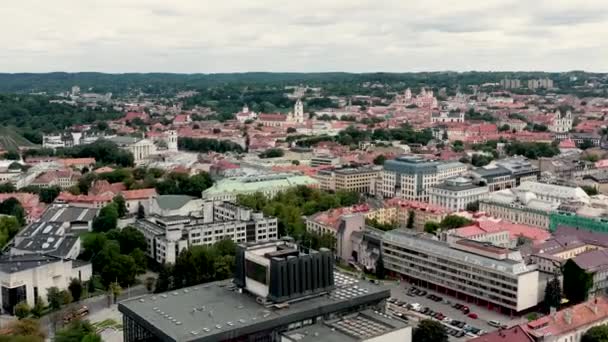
[(171, 139), (299, 112)]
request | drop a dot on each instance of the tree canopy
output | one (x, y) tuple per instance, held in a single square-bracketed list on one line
[(429, 331)]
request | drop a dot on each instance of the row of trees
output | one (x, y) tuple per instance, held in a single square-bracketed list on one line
[(289, 206), (116, 255), (208, 145), (172, 183), (196, 265), (448, 222), (105, 152)]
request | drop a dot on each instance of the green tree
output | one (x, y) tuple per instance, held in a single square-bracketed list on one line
[(76, 331), (429, 331), (38, 308), (121, 205), (553, 294), (379, 160), (590, 190), (22, 310), (140, 260), (12, 155), (115, 290), (454, 221), (272, 153), (12, 207), (577, 282), (149, 282), (54, 297), (107, 218), (596, 334), (164, 282), (27, 328), (9, 227), (586, 144), (48, 195), (131, 239), (431, 227), (473, 206), (410, 219), (75, 289)]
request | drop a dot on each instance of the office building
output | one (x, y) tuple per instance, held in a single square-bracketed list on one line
[(166, 236), (520, 168), (349, 179), (544, 83), (277, 294), (496, 177), (228, 189), (324, 160), (492, 276), (456, 193), (508, 83), (410, 177)]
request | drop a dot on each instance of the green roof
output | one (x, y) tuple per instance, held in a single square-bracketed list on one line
[(172, 202), (258, 183)]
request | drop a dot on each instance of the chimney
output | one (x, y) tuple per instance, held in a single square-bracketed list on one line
[(568, 316)]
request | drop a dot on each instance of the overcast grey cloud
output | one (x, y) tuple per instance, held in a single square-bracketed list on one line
[(315, 35)]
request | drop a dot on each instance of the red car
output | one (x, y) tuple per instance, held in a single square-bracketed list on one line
[(473, 315)]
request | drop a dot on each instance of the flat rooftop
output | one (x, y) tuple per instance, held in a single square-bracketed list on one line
[(216, 311), (362, 325)]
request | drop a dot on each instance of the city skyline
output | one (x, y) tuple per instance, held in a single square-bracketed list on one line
[(352, 36)]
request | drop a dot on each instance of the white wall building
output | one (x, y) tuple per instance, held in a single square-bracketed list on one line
[(27, 277), (167, 236), (456, 193)]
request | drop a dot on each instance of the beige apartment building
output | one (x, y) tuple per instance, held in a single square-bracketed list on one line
[(349, 179)]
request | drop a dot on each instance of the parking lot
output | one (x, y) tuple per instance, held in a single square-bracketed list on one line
[(445, 306)]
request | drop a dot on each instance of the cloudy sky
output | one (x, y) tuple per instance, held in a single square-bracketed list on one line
[(310, 35)]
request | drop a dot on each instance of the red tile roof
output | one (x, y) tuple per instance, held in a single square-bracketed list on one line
[(515, 230), (130, 195), (67, 197), (513, 334), (567, 320), (77, 161), (272, 117)]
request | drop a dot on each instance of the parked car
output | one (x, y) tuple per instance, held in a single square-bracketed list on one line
[(76, 314), (473, 315), (422, 293), (494, 323)]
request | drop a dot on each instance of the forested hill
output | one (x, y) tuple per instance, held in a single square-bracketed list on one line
[(159, 83)]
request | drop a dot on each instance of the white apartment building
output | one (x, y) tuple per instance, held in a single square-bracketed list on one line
[(167, 236), (410, 177), (456, 193), (496, 277), (27, 277)]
